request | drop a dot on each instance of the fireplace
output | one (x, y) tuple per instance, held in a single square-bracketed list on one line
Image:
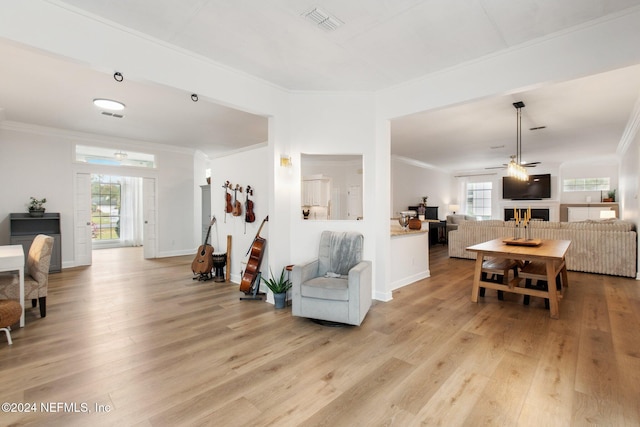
[(538, 214)]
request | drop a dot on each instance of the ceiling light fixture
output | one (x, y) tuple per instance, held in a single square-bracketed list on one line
[(108, 104), (515, 168), (120, 156)]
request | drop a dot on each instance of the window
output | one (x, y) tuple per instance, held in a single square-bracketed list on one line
[(106, 194), (585, 184), (114, 157), (479, 199)]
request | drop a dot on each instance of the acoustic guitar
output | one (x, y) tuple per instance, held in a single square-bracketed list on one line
[(237, 206), (256, 252), (203, 262)]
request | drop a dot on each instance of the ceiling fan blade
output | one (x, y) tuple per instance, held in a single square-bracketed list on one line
[(498, 167), (531, 164)]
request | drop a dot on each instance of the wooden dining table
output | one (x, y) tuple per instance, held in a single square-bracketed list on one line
[(551, 252)]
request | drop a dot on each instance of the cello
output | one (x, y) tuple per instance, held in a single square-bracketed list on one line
[(256, 252)]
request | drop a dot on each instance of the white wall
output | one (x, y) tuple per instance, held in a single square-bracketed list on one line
[(330, 123), (410, 181), (254, 172), (39, 162), (629, 174), (597, 168)]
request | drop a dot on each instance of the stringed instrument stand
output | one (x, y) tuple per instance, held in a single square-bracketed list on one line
[(251, 278), (254, 294)]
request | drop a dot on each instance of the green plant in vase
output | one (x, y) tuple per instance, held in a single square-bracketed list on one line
[(279, 286), (36, 206)]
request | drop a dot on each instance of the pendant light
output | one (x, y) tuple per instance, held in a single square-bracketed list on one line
[(515, 168)]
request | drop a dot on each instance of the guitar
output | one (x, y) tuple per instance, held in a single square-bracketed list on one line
[(256, 252), (249, 216), (237, 206), (203, 262)]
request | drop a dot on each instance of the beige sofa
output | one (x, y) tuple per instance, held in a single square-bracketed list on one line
[(454, 220), (605, 247)]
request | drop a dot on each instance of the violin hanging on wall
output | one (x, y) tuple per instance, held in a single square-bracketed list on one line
[(249, 215), (227, 195), (237, 206)]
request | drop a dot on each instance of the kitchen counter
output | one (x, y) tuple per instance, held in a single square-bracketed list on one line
[(409, 255)]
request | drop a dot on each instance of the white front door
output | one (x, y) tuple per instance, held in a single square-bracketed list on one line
[(82, 220), (149, 208)]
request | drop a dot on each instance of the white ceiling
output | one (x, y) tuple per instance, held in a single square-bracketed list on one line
[(382, 43)]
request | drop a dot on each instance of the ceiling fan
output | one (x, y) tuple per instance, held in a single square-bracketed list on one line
[(513, 159), (516, 165)]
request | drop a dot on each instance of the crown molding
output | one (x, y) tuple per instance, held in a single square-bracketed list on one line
[(85, 137)]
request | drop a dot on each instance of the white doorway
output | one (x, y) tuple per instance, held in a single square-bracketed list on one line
[(129, 221)]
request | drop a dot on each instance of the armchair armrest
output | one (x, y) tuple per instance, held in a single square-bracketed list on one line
[(300, 273), (360, 291)]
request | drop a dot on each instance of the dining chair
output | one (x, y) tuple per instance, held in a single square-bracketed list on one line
[(36, 282)]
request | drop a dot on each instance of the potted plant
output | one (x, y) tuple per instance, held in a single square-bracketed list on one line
[(279, 286), (611, 196), (36, 207)]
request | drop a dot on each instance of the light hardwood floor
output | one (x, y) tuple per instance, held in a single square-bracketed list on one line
[(161, 349)]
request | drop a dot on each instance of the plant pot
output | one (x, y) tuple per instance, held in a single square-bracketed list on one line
[(280, 300), (36, 212), (607, 200)]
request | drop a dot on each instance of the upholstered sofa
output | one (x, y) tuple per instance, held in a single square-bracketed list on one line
[(455, 219), (605, 247)]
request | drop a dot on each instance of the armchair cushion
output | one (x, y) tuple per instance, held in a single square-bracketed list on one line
[(339, 252)]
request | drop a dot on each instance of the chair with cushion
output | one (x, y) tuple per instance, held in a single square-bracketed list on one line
[(10, 312), (36, 282), (335, 287)]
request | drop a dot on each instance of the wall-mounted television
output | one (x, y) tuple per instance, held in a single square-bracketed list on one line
[(536, 188)]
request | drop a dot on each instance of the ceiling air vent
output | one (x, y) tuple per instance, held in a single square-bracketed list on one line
[(322, 19), (116, 115)]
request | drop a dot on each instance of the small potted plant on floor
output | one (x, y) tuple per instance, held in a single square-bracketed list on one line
[(36, 207), (279, 286)]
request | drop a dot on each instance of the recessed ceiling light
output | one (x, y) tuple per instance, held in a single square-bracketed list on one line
[(108, 104)]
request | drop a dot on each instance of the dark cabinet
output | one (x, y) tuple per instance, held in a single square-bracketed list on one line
[(23, 228)]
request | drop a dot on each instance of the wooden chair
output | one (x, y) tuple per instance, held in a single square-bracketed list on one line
[(498, 268), (537, 270)]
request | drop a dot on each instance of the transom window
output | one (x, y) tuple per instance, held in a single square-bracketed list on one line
[(586, 184), (114, 157), (479, 199)]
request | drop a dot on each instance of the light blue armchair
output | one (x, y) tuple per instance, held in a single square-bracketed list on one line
[(335, 287)]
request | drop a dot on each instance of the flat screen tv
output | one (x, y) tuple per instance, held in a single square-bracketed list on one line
[(536, 188)]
